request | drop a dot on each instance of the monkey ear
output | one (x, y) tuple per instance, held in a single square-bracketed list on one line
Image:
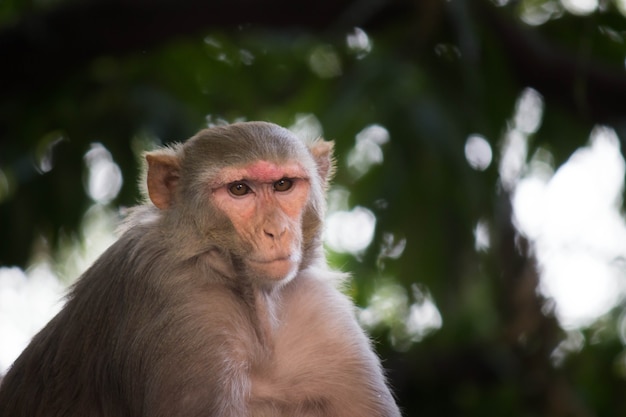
[(323, 154), (162, 177)]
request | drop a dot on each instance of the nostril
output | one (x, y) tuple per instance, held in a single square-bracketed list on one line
[(274, 234)]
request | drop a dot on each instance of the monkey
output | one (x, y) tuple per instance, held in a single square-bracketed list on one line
[(216, 299)]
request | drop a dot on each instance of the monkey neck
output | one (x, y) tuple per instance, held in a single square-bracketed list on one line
[(265, 310), (262, 305)]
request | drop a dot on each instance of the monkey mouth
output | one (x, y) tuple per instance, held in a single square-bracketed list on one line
[(272, 260)]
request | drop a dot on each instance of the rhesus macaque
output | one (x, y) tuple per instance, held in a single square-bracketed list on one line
[(215, 301)]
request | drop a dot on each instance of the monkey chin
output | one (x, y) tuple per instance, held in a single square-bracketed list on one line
[(275, 272)]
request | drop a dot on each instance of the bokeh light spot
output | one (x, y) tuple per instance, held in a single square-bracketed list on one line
[(478, 152), (105, 177)]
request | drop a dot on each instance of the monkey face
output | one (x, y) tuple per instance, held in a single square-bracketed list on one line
[(265, 201), (250, 194)]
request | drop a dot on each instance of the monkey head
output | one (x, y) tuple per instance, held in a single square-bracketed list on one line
[(250, 194)]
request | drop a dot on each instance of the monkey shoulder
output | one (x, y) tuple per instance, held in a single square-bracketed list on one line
[(317, 314), (325, 356), (317, 291)]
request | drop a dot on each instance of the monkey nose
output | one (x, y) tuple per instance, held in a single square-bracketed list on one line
[(274, 233)]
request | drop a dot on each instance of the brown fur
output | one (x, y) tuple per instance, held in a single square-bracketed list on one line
[(168, 323)]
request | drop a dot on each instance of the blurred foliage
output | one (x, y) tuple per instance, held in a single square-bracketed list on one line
[(437, 72)]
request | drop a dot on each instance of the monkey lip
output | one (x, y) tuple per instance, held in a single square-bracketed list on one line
[(286, 258)]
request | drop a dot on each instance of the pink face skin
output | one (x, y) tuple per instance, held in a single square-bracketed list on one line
[(264, 201)]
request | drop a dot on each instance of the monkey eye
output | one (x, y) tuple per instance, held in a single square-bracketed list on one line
[(238, 189), (283, 184)]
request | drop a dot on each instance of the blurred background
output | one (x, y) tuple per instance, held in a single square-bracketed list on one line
[(478, 201)]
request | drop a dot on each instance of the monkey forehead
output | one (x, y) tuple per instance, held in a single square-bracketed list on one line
[(261, 171)]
